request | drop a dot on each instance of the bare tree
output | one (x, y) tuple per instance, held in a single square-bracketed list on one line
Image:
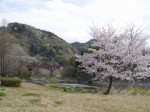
[(5, 46)]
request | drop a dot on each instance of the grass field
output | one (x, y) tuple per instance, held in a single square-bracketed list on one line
[(35, 98)]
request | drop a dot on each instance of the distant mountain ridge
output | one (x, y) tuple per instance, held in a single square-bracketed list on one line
[(81, 47), (42, 43)]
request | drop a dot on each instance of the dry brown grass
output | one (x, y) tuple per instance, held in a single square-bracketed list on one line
[(58, 101)]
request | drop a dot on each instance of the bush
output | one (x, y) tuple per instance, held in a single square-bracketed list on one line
[(69, 72), (10, 81), (90, 83), (24, 73)]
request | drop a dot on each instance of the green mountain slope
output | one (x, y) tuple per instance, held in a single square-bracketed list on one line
[(81, 47), (42, 43)]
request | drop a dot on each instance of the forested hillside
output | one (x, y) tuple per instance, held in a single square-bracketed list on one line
[(81, 47), (44, 45)]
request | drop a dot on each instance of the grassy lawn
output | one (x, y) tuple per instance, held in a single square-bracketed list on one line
[(35, 98)]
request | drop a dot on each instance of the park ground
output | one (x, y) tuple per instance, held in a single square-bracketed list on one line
[(35, 98)]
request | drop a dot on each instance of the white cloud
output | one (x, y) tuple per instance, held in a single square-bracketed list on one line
[(70, 21)]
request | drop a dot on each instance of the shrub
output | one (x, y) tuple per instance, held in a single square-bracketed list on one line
[(24, 73), (90, 83), (69, 72), (10, 81)]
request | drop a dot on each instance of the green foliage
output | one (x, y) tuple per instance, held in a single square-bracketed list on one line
[(75, 71), (10, 81), (138, 91), (61, 60), (79, 90), (31, 94), (69, 72), (95, 47), (72, 61), (18, 28), (2, 91), (82, 47), (43, 43), (90, 83), (24, 73), (92, 47)]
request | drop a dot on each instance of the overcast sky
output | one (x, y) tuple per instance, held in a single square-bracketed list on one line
[(71, 19)]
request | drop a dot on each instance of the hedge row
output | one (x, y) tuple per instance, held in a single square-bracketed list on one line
[(10, 81)]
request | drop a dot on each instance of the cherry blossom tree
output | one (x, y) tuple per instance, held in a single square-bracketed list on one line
[(116, 55)]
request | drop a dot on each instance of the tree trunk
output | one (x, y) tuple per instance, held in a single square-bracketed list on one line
[(5, 46), (109, 86), (51, 71)]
